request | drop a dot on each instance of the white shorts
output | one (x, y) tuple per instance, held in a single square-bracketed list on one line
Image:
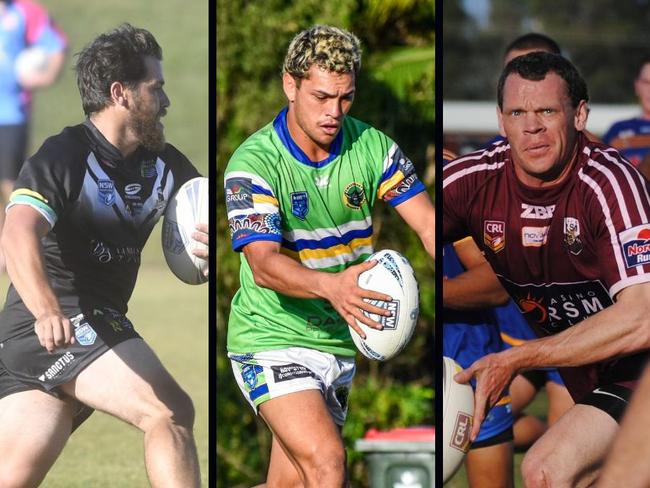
[(262, 376)]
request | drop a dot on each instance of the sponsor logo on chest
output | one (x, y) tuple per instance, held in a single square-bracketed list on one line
[(536, 211), (534, 236), (557, 306)]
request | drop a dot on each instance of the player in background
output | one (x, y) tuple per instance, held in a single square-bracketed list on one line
[(632, 136), (299, 196), (23, 24), (576, 263), (470, 331), (83, 208)]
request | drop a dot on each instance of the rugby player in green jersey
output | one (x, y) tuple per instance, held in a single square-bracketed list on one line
[(299, 196)]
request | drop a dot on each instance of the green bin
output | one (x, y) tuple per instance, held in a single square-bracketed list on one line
[(400, 458)]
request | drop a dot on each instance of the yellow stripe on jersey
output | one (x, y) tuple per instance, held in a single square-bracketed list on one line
[(259, 198), (390, 183), (504, 400), (513, 341), (29, 193), (330, 252)]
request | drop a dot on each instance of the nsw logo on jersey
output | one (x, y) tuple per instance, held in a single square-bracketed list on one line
[(106, 192), (300, 204), (494, 234), (636, 245)]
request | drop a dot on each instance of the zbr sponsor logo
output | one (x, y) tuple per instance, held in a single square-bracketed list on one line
[(536, 211), (494, 234), (636, 245)]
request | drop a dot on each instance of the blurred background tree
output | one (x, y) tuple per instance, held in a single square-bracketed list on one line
[(395, 93), (606, 39)]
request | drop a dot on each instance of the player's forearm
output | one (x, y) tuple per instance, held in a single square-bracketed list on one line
[(284, 275), (623, 328), (476, 288), (26, 268)]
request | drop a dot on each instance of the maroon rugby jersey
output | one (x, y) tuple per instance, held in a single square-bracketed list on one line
[(562, 252)]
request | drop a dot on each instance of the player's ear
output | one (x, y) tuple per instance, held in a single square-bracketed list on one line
[(500, 119), (580, 117), (118, 94), (290, 86)]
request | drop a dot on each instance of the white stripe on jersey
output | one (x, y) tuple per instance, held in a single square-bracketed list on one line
[(255, 179), (613, 235), (473, 169), (388, 158), (632, 186), (322, 233)]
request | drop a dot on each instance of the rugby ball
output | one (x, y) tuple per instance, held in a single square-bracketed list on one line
[(29, 61), (394, 276), (457, 414), (188, 207)]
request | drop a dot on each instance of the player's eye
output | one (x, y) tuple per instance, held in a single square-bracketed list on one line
[(516, 113)]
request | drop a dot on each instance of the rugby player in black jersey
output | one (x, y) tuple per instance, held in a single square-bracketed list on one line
[(82, 209)]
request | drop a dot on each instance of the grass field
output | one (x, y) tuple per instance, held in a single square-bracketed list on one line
[(171, 316), (538, 407)]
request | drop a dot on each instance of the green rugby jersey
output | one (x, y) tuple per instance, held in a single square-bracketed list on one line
[(319, 212)]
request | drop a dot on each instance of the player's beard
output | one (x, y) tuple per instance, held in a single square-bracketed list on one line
[(146, 128)]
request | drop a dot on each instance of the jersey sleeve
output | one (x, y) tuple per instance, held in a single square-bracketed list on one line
[(251, 203), (398, 182), (455, 195), (41, 30), (619, 204), (46, 183)]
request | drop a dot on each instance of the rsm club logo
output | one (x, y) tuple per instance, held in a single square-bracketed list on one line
[(552, 308)]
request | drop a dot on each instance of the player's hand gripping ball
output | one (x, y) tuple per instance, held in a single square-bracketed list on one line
[(186, 209), (393, 276)]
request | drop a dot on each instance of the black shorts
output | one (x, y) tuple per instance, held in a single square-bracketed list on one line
[(505, 436), (13, 149), (612, 399), (27, 365)]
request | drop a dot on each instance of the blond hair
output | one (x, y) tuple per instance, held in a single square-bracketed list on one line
[(329, 48)]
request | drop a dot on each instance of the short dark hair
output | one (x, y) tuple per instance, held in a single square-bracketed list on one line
[(117, 55), (536, 65), (533, 40)]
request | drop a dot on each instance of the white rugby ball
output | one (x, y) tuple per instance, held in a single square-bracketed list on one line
[(457, 414), (188, 207), (29, 61), (392, 275)]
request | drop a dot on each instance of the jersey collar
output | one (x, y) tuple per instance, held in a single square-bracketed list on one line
[(281, 129), (108, 154)]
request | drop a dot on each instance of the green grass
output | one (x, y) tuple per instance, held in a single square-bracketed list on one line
[(170, 315), (538, 408)]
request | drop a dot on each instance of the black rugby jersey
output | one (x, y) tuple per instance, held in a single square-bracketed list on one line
[(102, 209)]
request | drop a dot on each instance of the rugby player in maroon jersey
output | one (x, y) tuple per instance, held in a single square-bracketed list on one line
[(562, 221)]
